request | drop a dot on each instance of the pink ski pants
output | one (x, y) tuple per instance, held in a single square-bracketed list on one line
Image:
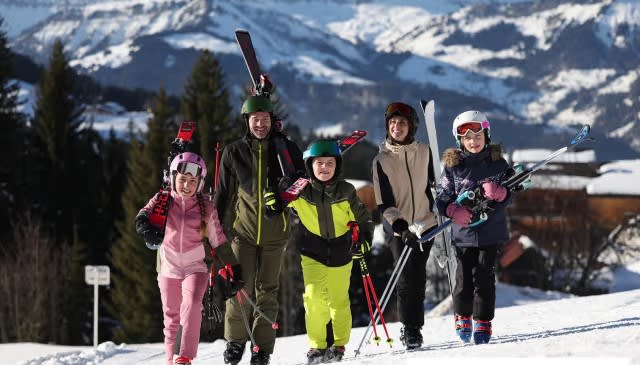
[(182, 305)]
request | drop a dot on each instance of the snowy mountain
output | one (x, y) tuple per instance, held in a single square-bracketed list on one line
[(537, 68), (544, 327)]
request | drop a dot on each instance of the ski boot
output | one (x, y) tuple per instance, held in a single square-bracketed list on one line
[(481, 332), (411, 337), (183, 360), (233, 353), (334, 354), (260, 358), (463, 327), (315, 356)]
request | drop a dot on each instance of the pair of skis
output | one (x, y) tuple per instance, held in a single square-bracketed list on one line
[(263, 86), (160, 210)]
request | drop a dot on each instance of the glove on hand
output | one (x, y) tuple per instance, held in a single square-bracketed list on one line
[(359, 249), (233, 281), (272, 203), (493, 191), (148, 232), (284, 183), (410, 239), (460, 215)]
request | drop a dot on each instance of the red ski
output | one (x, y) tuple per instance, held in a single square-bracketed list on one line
[(344, 144), (160, 210)]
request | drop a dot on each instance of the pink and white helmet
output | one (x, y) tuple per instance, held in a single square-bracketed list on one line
[(188, 163)]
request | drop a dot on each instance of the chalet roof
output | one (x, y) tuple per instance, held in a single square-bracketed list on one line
[(617, 178)]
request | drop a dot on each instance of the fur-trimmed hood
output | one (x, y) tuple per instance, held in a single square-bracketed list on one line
[(453, 156)]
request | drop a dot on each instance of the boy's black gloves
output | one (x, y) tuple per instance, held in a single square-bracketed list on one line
[(284, 183), (233, 281), (359, 249), (148, 232)]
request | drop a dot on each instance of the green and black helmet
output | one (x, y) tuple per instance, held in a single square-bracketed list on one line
[(322, 148), (257, 103)]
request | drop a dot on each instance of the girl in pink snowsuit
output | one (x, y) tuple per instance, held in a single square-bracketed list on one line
[(182, 271)]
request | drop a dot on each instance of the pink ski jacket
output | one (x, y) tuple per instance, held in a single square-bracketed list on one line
[(182, 253)]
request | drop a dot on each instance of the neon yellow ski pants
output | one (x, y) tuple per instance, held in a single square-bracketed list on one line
[(326, 297)]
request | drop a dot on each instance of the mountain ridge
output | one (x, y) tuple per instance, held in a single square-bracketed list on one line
[(536, 68)]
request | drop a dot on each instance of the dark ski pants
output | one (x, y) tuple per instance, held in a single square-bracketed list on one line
[(475, 290), (261, 273), (410, 291)]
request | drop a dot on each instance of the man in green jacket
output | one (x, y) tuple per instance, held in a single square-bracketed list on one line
[(250, 168)]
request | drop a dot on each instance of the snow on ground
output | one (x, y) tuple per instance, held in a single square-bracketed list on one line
[(551, 328)]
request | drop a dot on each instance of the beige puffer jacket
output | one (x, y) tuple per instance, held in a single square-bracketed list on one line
[(402, 183)]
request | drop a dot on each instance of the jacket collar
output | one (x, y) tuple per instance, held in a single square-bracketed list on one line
[(388, 146)]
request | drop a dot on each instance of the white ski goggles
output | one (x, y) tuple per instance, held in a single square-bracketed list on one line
[(189, 168), (473, 127)]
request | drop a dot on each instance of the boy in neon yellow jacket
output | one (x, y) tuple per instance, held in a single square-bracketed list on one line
[(324, 208)]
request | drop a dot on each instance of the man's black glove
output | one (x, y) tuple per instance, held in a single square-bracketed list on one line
[(233, 281), (272, 203), (148, 232)]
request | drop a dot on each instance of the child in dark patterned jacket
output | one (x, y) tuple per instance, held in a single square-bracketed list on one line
[(476, 162)]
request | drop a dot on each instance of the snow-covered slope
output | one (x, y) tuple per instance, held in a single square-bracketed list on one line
[(576, 330)]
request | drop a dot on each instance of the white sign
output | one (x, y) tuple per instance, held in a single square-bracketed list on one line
[(97, 275)]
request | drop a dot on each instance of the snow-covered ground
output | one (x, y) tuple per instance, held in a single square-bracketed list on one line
[(531, 326)]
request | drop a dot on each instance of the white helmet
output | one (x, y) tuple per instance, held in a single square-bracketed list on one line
[(468, 117)]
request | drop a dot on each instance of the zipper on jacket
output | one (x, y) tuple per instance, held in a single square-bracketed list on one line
[(413, 200), (259, 193), (284, 222), (182, 203), (324, 212)]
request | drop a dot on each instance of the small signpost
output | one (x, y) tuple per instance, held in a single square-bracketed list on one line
[(96, 275)]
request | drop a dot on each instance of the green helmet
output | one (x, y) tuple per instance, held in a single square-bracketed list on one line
[(257, 103), (322, 148)]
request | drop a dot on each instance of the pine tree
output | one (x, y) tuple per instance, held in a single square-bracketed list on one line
[(56, 126), (12, 139), (206, 101), (135, 295)]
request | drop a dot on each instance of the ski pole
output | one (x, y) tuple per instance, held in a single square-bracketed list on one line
[(211, 310), (393, 279), (369, 290), (274, 324), (353, 226), (245, 319), (224, 272), (400, 264), (365, 270)]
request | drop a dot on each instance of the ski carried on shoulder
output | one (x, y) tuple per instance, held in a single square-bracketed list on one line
[(516, 178), (263, 86), (480, 205), (344, 144), (160, 210)]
